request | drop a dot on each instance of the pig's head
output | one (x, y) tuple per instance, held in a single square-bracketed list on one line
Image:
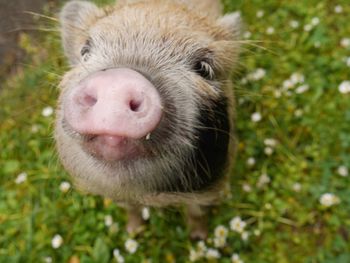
[(146, 106)]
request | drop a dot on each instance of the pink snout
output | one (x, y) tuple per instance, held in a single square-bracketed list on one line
[(116, 104)]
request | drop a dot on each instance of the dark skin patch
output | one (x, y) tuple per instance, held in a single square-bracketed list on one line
[(208, 163)]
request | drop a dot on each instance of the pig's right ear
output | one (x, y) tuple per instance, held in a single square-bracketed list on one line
[(232, 24), (75, 18)]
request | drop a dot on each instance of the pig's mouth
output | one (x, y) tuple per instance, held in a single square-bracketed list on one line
[(113, 148), (110, 148)]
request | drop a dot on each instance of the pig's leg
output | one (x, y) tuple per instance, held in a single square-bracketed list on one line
[(197, 220), (135, 221)]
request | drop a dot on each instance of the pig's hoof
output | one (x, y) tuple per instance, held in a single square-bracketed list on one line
[(200, 233), (135, 227)]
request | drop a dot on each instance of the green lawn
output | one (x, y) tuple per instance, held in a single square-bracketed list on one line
[(290, 189)]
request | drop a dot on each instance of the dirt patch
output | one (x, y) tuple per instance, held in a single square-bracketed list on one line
[(13, 21)]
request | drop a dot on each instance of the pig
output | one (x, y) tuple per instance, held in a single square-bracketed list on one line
[(145, 115)]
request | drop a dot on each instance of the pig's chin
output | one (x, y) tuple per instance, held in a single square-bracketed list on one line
[(112, 148)]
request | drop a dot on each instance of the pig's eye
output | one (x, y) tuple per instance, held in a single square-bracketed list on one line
[(85, 51), (203, 69)]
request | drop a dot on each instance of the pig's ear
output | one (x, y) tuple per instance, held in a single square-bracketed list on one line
[(75, 18), (232, 24)]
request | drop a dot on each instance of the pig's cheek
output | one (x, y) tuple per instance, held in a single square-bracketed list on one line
[(88, 174)]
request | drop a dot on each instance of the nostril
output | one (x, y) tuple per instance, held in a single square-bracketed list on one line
[(135, 105), (88, 100)]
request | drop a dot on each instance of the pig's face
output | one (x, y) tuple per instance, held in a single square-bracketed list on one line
[(146, 106)]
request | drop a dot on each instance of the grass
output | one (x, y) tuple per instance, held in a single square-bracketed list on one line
[(285, 220)]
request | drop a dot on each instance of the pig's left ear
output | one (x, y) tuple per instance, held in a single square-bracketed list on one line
[(76, 18), (231, 24)]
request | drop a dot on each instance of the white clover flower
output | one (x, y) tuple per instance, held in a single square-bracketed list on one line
[(34, 128), (308, 27), (257, 232), (343, 171), (47, 259), (329, 199), (47, 111), (344, 87), (245, 236), (237, 224), (246, 188), (287, 84), (251, 161), (338, 9), (317, 44), (298, 113), (145, 213), (221, 231), (258, 74), (345, 42), (347, 61), (21, 178), (315, 21), (296, 187), (201, 247), (301, 89), (56, 241), (247, 35), (244, 81), (294, 24), (270, 30), (268, 206), (65, 186), (108, 220), (297, 78), (131, 246), (277, 93), (194, 255), (270, 142), (263, 180), (260, 13), (256, 117), (268, 151), (116, 252), (212, 253), (236, 259), (118, 257), (219, 242), (241, 101)]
